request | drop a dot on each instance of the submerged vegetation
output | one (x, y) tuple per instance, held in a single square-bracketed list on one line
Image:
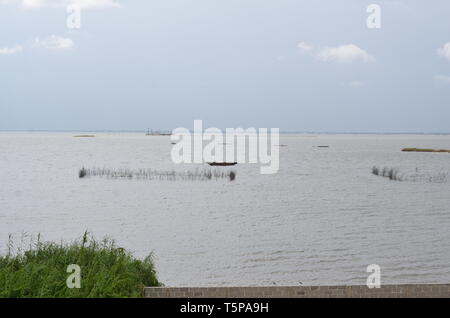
[(424, 150), (149, 174), (106, 270)]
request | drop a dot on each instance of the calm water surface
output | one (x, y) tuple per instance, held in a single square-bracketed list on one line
[(321, 220)]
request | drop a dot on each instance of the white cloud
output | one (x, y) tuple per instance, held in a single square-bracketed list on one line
[(442, 79), (355, 84), (84, 4), (53, 42), (50, 42), (11, 50), (304, 47), (344, 54), (445, 51), (352, 84)]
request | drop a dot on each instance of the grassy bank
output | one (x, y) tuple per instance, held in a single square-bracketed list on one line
[(106, 271)]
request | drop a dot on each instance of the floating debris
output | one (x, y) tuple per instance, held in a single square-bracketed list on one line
[(150, 174)]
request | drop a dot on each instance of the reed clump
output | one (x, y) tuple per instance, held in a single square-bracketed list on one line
[(82, 173), (394, 174), (390, 173), (106, 270)]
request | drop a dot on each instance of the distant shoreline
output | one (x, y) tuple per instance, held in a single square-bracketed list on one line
[(281, 132)]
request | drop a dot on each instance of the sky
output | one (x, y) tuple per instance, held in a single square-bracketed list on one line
[(296, 65)]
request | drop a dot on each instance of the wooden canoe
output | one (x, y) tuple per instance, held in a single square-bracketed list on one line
[(222, 163)]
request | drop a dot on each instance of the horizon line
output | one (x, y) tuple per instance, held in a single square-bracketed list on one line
[(281, 132)]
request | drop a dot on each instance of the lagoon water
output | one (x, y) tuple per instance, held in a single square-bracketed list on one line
[(321, 220)]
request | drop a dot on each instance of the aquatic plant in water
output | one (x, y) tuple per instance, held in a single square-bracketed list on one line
[(150, 174), (394, 174)]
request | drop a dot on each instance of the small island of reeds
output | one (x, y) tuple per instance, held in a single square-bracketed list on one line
[(106, 270), (84, 136), (424, 150)]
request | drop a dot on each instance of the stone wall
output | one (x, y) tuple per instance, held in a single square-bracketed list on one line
[(386, 291)]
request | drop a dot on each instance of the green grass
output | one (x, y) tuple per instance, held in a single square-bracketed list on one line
[(106, 270)]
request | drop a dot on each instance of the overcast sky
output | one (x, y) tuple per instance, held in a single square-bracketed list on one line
[(297, 65)]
